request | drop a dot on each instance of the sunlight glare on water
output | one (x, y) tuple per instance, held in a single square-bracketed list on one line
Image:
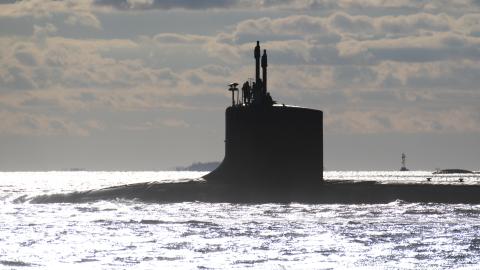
[(124, 233)]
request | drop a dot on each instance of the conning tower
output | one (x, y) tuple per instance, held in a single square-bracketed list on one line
[(266, 142)]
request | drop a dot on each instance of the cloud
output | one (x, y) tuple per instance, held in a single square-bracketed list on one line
[(47, 62), (40, 33), (166, 4), (45, 8), (20, 123), (174, 38), (341, 39), (400, 6), (158, 124), (83, 18), (16, 78), (403, 121), (79, 12), (430, 48), (440, 75), (374, 68), (267, 29), (81, 76), (175, 123), (216, 70), (25, 58), (42, 8), (37, 102)]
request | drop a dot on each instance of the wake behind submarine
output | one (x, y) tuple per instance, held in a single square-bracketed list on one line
[(273, 154)]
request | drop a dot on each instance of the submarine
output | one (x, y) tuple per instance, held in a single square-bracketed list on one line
[(273, 154)]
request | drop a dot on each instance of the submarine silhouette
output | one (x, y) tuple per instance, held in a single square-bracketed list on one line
[(273, 153)]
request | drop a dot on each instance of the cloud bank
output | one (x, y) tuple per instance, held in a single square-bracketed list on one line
[(415, 71)]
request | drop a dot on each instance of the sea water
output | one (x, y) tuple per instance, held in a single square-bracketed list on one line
[(119, 234)]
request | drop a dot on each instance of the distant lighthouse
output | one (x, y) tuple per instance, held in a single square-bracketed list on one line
[(404, 167)]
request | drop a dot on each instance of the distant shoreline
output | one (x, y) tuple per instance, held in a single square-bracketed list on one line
[(200, 166)]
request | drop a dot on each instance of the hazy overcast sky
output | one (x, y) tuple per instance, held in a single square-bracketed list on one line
[(141, 84)]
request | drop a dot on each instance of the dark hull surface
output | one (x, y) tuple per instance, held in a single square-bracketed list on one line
[(343, 192)]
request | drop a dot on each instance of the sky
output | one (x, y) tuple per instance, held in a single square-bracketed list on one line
[(142, 84)]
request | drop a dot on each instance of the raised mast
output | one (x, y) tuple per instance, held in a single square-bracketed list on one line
[(264, 69), (257, 63)]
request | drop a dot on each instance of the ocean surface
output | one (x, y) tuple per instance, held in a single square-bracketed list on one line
[(120, 234)]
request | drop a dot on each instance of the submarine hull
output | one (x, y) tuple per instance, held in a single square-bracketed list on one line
[(345, 192), (272, 144)]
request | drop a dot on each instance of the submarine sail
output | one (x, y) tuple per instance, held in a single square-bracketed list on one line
[(267, 142)]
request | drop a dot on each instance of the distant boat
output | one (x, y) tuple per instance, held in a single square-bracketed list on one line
[(404, 167), (451, 171)]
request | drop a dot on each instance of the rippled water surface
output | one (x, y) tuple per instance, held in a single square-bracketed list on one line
[(120, 234)]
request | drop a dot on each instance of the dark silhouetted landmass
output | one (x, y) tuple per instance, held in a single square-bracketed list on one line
[(200, 166), (452, 171)]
